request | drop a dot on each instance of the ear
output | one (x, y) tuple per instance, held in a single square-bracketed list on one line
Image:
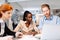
[(2, 12), (25, 17)]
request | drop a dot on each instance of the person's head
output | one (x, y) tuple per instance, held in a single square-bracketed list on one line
[(27, 16), (5, 11), (45, 9)]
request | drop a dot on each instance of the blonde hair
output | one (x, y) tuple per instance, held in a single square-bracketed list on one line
[(5, 7)]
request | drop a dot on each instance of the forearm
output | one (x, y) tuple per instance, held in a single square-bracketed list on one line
[(9, 32)]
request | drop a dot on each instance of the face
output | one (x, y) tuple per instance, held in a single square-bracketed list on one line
[(46, 11), (29, 17), (7, 14)]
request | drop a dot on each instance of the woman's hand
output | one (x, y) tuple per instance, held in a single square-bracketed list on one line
[(34, 33), (19, 34), (31, 33)]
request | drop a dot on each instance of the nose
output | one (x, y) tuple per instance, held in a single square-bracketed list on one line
[(31, 19), (45, 13)]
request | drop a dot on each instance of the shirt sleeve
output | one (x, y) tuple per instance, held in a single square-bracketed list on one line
[(40, 24), (8, 31), (35, 28), (58, 20), (18, 27)]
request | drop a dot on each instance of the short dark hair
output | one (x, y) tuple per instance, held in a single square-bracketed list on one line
[(25, 15), (45, 5)]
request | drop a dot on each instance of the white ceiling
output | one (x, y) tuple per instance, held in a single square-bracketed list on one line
[(21, 4), (37, 3)]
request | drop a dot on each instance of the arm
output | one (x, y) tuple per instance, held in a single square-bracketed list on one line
[(18, 27), (35, 28), (8, 31), (41, 22), (58, 20)]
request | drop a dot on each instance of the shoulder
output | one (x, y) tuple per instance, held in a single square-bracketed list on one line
[(33, 22), (55, 16), (42, 18), (21, 22)]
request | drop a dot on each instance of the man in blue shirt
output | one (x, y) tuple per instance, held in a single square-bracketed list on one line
[(48, 18)]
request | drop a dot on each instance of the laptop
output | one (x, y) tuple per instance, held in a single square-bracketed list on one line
[(51, 32)]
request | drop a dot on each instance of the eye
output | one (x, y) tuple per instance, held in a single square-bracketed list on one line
[(8, 12)]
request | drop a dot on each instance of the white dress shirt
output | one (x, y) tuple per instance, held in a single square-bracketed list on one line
[(2, 27)]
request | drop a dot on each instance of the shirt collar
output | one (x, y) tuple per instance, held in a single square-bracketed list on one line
[(26, 21), (51, 17), (1, 20)]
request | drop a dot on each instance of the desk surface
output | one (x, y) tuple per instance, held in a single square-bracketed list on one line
[(27, 37)]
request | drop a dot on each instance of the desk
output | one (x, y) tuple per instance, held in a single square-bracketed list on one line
[(28, 37), (25, 37)]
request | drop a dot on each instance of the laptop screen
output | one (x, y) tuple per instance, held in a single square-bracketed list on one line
[(51, 31)]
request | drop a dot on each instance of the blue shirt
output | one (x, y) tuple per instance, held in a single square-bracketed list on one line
[(52, 20)]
